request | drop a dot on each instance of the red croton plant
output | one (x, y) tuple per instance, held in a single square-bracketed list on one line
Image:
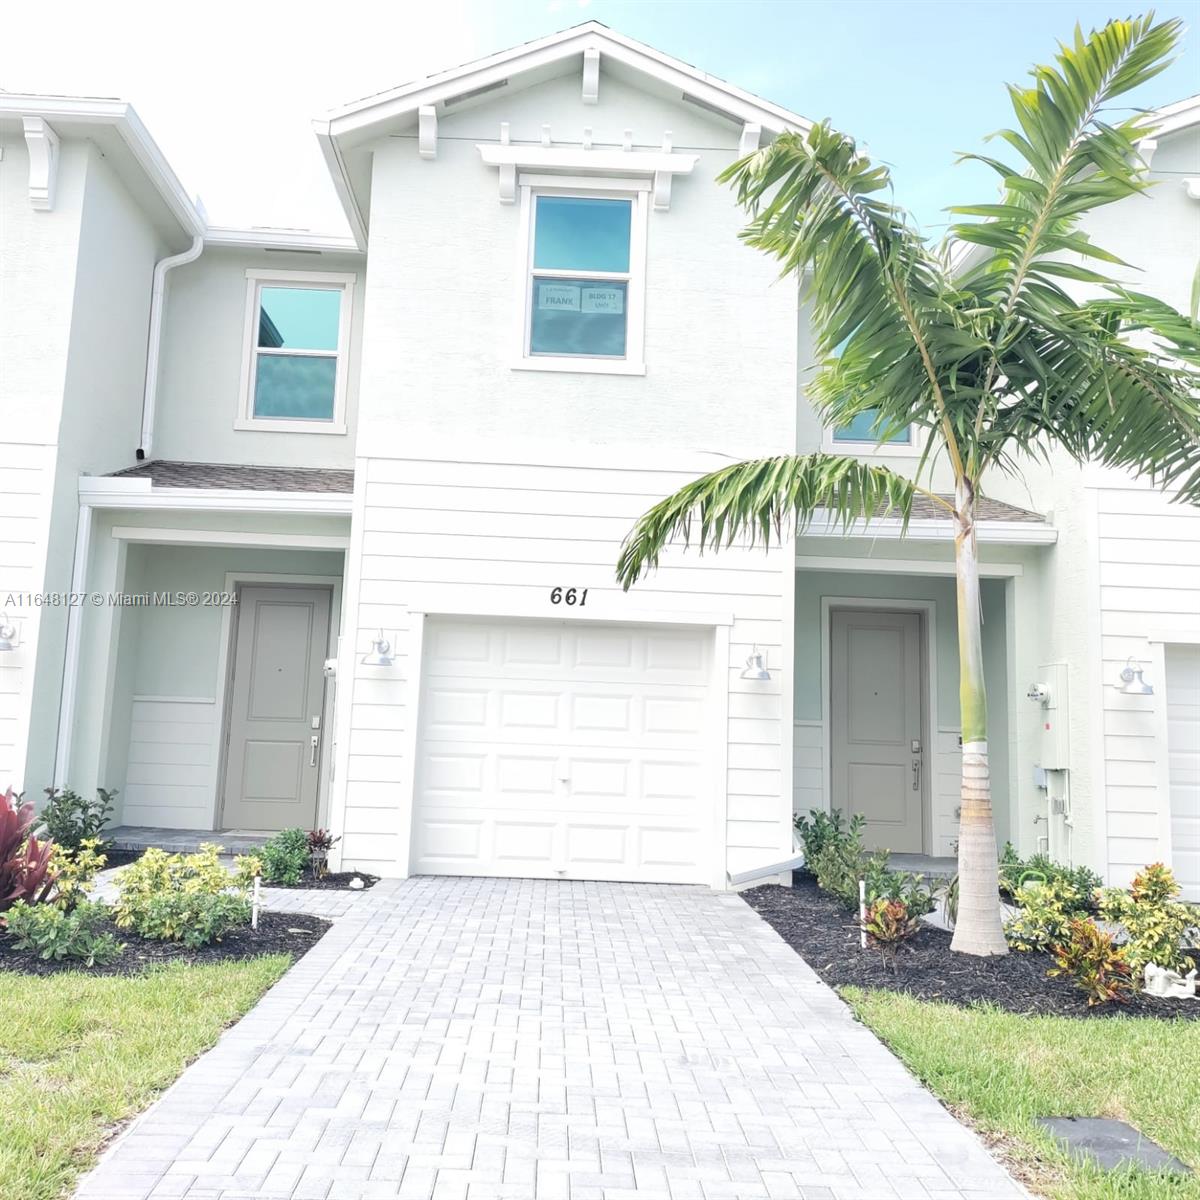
[(25, 872)]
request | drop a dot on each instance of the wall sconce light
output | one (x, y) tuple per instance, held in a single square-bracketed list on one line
[(1132, 683), (10, 633), (380, 654), (756, 666)]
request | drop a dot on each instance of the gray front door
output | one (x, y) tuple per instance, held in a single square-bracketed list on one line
[(877, 724), (276, 701)]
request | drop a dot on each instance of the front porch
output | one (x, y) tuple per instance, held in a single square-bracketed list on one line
[(876, 707), (199, 690)]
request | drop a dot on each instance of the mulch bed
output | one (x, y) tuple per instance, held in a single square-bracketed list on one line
[(277, 933), (334, 881), (825, 935)]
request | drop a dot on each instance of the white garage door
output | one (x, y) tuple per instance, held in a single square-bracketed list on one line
[(564, 751), (1183, 749)]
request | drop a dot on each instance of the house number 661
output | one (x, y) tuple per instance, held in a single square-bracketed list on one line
[(568, 596)]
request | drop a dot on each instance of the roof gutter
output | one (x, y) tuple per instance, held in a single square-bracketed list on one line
[(154, 341)]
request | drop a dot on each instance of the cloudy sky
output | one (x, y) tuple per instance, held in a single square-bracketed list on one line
[(229, 89)]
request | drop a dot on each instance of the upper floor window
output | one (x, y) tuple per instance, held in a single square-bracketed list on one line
[(584, 279), (862, 429), (297, 340)]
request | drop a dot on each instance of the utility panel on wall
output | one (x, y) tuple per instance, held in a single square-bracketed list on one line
[(1051, 695)]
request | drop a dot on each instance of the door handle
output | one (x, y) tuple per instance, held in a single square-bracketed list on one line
[(313, 743), (916, 768)]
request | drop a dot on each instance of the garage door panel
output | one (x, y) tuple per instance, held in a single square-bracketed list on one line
[(577, 752)]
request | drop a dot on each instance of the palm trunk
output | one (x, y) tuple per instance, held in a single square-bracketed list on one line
[(978, 929)]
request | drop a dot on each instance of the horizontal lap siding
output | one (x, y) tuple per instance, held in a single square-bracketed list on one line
[(26, 480), (501, 535), (171, 774), (1149, 580)]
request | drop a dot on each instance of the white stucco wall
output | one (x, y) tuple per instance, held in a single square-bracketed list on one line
[(202, 362), (37, 288)]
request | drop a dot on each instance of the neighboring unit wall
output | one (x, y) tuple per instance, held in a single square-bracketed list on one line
[(200, 380), (37, 283), (102, 404), (1148, 563), (497, 537)]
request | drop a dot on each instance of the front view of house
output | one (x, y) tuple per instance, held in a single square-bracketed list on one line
[(336, 542)]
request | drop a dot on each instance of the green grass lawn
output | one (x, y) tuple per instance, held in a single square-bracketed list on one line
[(1000, 1070), (80, 1053)]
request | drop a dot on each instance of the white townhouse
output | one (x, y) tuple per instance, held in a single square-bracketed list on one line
[(338, 515)]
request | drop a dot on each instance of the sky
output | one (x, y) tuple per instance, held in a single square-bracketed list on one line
[(229, 89)]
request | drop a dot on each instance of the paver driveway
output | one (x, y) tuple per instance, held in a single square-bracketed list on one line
[(547, 1041)]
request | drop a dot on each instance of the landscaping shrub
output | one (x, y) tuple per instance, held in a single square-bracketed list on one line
[(320, 842), (1046, 911), (75, 871), (54, 933), (1016, 872), (26, 872), (1154, 922), (908, 888), (841, 861), (69, 820), (817, 831), (188, 898), (889, 924), (285, 857), (1090, 958)]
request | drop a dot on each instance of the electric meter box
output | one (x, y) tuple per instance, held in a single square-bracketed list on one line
[(1054, 743)]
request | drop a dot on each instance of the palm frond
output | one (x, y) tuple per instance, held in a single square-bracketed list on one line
[(754, 502)]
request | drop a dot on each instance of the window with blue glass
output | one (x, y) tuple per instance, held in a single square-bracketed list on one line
[(298, 337), (580, 276), (862, 429)]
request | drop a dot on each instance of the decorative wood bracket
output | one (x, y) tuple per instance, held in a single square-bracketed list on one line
[(42, 142), (750, 139), (427, 131), (591, 76), (659, 165)]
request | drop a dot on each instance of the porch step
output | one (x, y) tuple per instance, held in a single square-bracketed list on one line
[(183, 841)]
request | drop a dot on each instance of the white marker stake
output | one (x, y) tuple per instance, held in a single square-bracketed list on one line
[(862, 913), (255, 902)]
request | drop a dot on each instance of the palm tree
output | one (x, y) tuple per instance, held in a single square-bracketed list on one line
[(996, 363)]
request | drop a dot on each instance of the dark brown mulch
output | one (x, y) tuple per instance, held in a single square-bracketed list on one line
[(121, 858), (333, 881), (277, 933), (825, 935)]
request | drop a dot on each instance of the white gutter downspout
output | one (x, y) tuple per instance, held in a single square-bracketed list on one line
[(150, 392)]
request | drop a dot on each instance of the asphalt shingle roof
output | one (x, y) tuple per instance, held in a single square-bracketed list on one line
[(235, 476)]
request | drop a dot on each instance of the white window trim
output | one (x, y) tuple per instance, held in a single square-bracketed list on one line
[(913, 448), (257, 278), (638, 194)]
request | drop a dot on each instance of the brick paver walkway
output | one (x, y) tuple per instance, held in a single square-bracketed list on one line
[(473, 1039)]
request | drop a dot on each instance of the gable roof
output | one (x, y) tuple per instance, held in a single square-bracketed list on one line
[(119, 133), (345, 131)]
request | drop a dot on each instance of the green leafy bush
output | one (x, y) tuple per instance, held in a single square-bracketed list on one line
[(53, 933), (75, 871), (817, 831), (1090, 958), (841, 861), (1046, 912), (1016, 872), (193, 918), (909, 889), (69, 819), (285, 857), (1154, 922), (189, 898)]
